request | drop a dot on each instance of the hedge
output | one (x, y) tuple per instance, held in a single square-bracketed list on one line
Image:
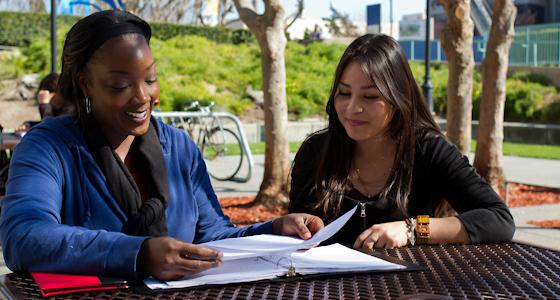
[(18, 29)]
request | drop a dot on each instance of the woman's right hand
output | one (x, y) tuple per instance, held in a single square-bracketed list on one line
[(166, 258), (44, 96)]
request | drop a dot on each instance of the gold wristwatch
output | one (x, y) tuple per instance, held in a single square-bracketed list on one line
[(422, 229)]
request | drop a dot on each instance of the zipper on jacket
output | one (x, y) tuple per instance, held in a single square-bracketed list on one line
[(363, 213)]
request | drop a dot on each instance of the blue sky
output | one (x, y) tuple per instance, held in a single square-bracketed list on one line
[(357, 8)]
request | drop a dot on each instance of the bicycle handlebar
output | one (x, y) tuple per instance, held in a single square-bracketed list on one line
[(196, 105)]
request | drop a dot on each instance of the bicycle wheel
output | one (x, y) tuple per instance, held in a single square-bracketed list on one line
[(222, 152)]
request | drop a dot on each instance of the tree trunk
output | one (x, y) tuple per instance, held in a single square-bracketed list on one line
[(457, 41), (488, 158), (268, 29)]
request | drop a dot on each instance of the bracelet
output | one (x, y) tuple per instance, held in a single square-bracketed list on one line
[(411, 226), (423, 228)]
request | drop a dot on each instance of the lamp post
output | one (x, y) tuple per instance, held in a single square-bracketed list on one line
[(427, 86), (391, 17), (53, 36)]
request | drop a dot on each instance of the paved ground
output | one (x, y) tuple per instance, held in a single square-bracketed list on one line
[(524, 170)]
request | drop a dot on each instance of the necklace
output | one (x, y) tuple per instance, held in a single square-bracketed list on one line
[(378, 184)]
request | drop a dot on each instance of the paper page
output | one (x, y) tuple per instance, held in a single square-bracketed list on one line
[(331, 229), (235, 248), (336, 256), (239, 270), (257, 257)]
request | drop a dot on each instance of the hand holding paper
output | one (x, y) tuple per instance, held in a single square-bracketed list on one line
[(167, 258), (248, 246), (298, 225), (269, 256)]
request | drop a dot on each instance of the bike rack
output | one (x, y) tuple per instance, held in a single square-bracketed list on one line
[(182, 115)]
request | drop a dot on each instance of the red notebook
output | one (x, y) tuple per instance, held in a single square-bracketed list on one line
[(51, 284)]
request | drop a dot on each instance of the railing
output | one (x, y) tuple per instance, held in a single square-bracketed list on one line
[(534, 45), (182, 118)]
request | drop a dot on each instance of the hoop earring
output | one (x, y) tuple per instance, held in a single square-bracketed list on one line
[(88, 105)]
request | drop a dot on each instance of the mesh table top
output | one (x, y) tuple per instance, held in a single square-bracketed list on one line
[(495, 271)]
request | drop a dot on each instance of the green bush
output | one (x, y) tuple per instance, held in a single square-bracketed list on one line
[(438, 77), (165, 31), (530, 77), (194, 67), (551, 113), (8, 69), (19, 29)]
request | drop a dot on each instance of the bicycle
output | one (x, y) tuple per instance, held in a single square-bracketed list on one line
[(221, 148)]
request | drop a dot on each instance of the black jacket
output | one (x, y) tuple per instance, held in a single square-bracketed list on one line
[(440, 172)]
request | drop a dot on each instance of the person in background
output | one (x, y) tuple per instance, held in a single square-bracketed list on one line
[(383, 152), (317, 33), (50, 103), (111, 190), (46, 94)]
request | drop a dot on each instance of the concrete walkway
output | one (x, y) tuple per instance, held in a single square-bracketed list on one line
[(541, 172)]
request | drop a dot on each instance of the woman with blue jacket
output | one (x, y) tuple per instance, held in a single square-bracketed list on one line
[(111, 190)]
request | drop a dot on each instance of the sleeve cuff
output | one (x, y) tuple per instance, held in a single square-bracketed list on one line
[(121, 260), (260, 228)]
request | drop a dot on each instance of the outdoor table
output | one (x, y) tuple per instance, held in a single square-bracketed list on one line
[(9, 141), (492, 271)]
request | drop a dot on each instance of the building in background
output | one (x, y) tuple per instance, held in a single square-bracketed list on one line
[(413, 27), (376, 24), (306, 24), (529, 12)]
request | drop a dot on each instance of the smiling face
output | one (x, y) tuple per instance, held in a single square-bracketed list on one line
[(361, 108), (121, 84)]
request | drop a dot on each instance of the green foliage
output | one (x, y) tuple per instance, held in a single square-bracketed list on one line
[(8, 70), (165, 31), (194, 67), (19, 29), (530, 77), (527, 150), (551, 113), (528, 96), (309, 75), (438, 75), (525, 100), (36, 56)]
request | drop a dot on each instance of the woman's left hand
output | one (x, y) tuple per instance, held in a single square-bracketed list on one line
[(385, 235), (302, 225)]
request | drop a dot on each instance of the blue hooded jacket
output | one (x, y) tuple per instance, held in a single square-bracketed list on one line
[(60, 216)]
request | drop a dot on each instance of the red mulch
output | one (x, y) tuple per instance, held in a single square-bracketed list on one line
[(243, 211), (553, 224), (529, 195)]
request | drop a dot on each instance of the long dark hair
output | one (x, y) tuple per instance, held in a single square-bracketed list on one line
[(83, 39), (383, 61)]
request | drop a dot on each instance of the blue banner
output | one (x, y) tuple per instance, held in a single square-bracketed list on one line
[(374, 14)]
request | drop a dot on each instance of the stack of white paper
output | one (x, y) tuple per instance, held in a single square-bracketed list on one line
[(269, 256)]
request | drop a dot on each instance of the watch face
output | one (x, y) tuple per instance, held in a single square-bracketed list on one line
[(423, 219), (423, 230)]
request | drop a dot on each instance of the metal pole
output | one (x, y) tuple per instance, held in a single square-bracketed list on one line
[(427, 86), (53, 36), (391, 17)]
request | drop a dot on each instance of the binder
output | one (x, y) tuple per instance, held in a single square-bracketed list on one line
[(51, 284), (329, 260), (273, 257)]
